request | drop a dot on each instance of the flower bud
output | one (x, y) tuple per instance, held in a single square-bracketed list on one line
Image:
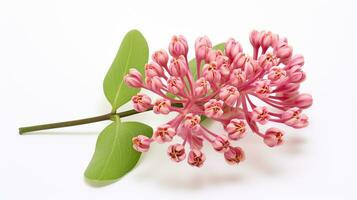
[(202, 47), (273, 137), (211, 72), (229, 95), (296, 60), (283, 50), (176, 152), (178, 66), (260, 114), (162, 106), (254, 38), (212, 55), (160, 57), (245, 62), (196, 158), (262, 88), (236, 129), (277, 75), (289, 88), (191, 121), (303, 101), (164, 133), (232, 48), (175, 85), (213, 108), (297, 76), (234, 155), (221, 144), (294, 118), (141, 143), (237, 77), (141, 102), (178, 46), (153, 69), (225, 71), (268, 60), (201, 87), (154, 83), (133, 78), (222, 60), (266, 39)]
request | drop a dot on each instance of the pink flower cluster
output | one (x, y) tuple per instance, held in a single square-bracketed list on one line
[(226, 90)]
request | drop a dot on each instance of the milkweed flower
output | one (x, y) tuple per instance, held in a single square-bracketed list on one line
[(227, 89)]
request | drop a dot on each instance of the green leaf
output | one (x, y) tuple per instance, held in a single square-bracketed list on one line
[(192, 63), (170, 95), (133, 53), (114, 155)]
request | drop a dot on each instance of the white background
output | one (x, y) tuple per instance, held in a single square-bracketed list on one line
[(54, 55)]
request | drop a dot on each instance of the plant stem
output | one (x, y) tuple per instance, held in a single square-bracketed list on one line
[(108, 116)]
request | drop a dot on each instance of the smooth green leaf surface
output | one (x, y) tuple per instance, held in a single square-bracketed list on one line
[(133, 53), (114, 155), (170, 95), (192, 63)]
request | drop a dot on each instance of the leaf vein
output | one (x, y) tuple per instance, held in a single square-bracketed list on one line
[(125, 68), (111, 151)]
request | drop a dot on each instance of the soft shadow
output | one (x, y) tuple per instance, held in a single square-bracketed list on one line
[(294, 145), (196, 182), (98, 184), (261, 161), (67, 133)]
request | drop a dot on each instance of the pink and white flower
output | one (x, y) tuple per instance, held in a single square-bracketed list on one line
[(141, 143), (196, 158), (234, 155), (236, 129), (233, 89), (175, 85), (229, 95), (153, 69), (211, 72), (260, 115), (192, 121), (178, 46), (262, 88), (154, 83), (201, 87), (162, 106), (202, 47), (232, 48), (141, 102), (295, 118), (178, 66), (164, 133), (277, 75), (134, 78), (255, 39), (176, 152), (213, 108), (161, 57), (273, 137), (221, 144), (237, 77)]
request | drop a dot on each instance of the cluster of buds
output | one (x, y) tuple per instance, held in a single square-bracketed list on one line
[(224, 90)]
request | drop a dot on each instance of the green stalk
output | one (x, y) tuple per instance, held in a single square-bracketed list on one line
[(108, 116)]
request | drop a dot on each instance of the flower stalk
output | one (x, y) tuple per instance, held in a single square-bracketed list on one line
[(27, 129)]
